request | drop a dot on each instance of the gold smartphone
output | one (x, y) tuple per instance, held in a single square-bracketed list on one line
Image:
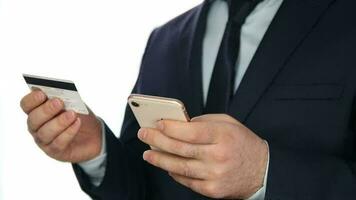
[(150, 109)]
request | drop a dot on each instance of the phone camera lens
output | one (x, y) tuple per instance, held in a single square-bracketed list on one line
[(135, 104)]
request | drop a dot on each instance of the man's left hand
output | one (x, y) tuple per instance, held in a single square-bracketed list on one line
[(214, 155)]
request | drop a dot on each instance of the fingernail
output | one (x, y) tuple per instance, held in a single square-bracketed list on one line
[(142, 134), (146, 156), (33, 88), (160, 125), (56, 103), (69, 115)]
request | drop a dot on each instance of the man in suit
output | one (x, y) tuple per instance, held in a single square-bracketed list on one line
[(286, 131)]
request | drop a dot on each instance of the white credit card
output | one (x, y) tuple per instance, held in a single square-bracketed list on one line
[(58, 88)]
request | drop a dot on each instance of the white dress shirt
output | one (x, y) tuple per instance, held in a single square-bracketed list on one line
[(252, 32)]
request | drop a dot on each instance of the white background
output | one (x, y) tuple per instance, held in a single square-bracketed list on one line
[(96, 43)]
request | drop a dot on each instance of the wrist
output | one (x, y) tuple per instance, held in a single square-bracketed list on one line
[(264, 164), (100, 131), (258, 179), (91, 137)]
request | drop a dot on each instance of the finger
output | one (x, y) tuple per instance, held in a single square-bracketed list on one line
[(178, 165), (216, 118), (32, 100), (196, 185), (44, 113), (155, 138), (191, 132), (60, 143), (50, 130)]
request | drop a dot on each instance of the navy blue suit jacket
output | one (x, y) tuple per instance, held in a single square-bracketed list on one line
[(298, 93)]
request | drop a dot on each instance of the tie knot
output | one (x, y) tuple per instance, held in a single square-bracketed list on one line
[(240, 9)]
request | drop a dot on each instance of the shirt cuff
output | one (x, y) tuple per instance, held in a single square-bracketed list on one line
[(260, 194), (95, 168)]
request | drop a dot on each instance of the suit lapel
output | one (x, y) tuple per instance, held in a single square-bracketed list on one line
[(191, 46), (292, 23)]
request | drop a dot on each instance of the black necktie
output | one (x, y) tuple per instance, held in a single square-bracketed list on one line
[(221, 88)]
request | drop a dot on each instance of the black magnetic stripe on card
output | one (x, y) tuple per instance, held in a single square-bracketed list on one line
[(50, 83)]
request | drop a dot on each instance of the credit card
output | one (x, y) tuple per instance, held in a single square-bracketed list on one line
[(58, 88)]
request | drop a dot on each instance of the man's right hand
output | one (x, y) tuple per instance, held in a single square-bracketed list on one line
[(62, 135)]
